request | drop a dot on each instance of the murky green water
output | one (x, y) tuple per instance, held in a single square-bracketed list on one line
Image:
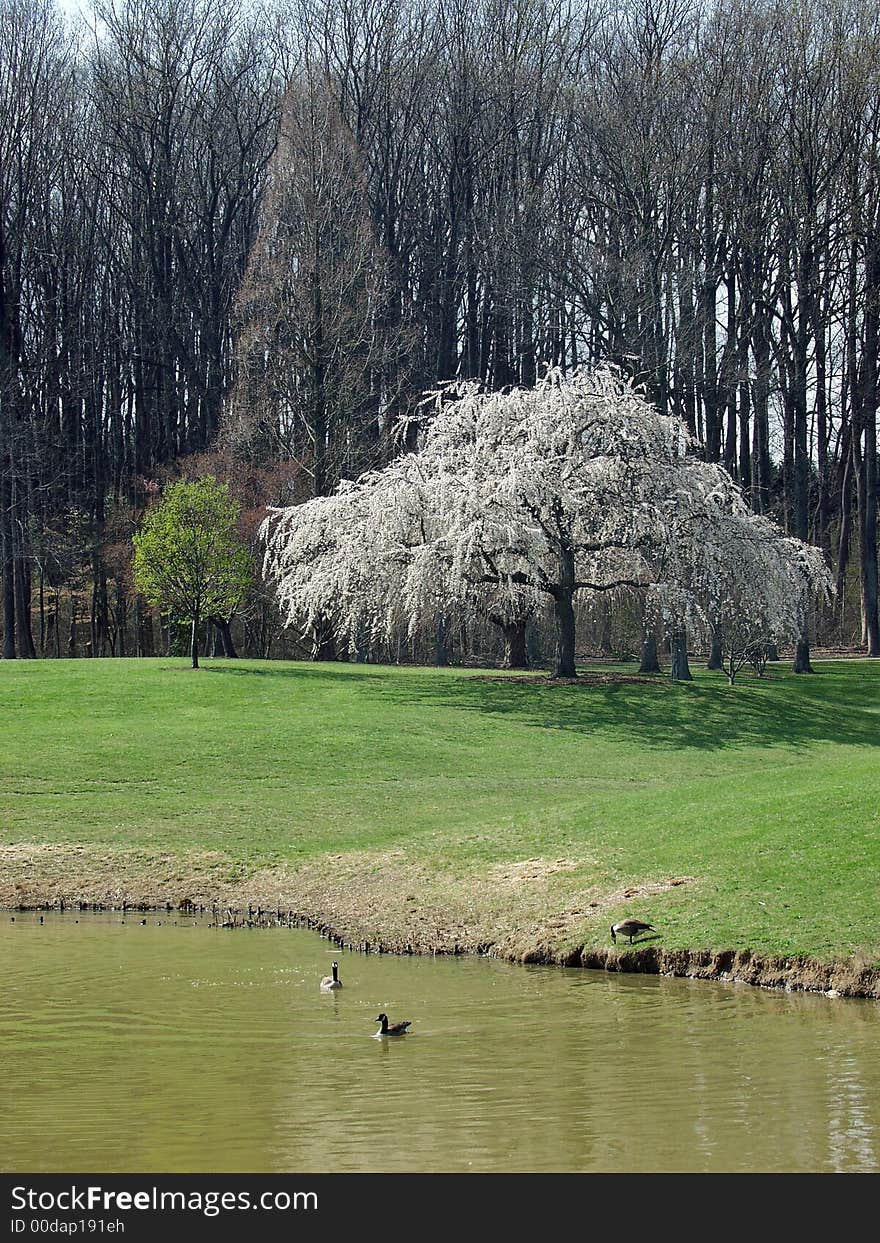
[(185, 1048)]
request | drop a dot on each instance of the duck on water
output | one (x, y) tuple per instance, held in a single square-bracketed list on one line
[(392, 1029), (330, 982)]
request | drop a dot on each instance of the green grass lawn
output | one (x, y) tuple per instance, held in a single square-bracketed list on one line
[(766, 794)]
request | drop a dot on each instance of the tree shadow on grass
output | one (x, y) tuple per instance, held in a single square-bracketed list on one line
[(304, 670), (707, 715), (839, 705)]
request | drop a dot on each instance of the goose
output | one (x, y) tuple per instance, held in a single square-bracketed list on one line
[(331, 981), (630, 928), (395, 1029)]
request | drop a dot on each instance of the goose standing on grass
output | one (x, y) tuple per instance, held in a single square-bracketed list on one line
[(394, 1029), (630, 928), (330, 982)]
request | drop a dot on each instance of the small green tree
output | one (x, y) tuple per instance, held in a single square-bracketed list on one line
[(188, 556)]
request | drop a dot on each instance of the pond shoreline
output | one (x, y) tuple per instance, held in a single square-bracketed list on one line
[(849, 977), (434, 811)]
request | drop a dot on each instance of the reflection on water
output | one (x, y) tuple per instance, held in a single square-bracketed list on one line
[(178, 1047)]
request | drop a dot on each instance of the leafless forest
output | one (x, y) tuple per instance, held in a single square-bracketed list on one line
[(243, 240)]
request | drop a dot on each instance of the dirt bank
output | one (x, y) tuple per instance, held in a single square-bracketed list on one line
[(385, 902)]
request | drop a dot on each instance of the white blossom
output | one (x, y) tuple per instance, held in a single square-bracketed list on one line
[(521, 500)]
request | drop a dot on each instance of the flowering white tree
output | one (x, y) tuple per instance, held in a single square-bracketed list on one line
[(514, 502), (748, 584)]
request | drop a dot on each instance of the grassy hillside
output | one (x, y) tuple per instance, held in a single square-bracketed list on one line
[(458, 801)]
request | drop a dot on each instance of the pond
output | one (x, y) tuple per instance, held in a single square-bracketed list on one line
[(173, 1046)]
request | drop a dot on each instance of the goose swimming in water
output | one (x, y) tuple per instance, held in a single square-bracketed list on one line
[(331, 981), (395, 1029), (630, 928)]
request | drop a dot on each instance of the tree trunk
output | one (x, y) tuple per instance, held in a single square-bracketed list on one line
[(606, 645), (7, 556), (441, 652), (8, 609), (515, 649), (565, 633), (802, 656), (650, 659), (146, 633), (224, 633), (71, 633), (194, 646), (121, 618), (716, 653), (761, 464), (22, 579), (138, 626), (709, 317), (51, 629), (800, 431), (324, 641), (868, 493), (43, 634), (515, 652), (100, 611), (680, 671)]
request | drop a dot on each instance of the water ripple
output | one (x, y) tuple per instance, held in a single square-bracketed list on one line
[(506, 1068)]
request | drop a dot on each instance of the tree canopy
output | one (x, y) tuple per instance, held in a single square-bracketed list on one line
[(189, 559), (527, 499)]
